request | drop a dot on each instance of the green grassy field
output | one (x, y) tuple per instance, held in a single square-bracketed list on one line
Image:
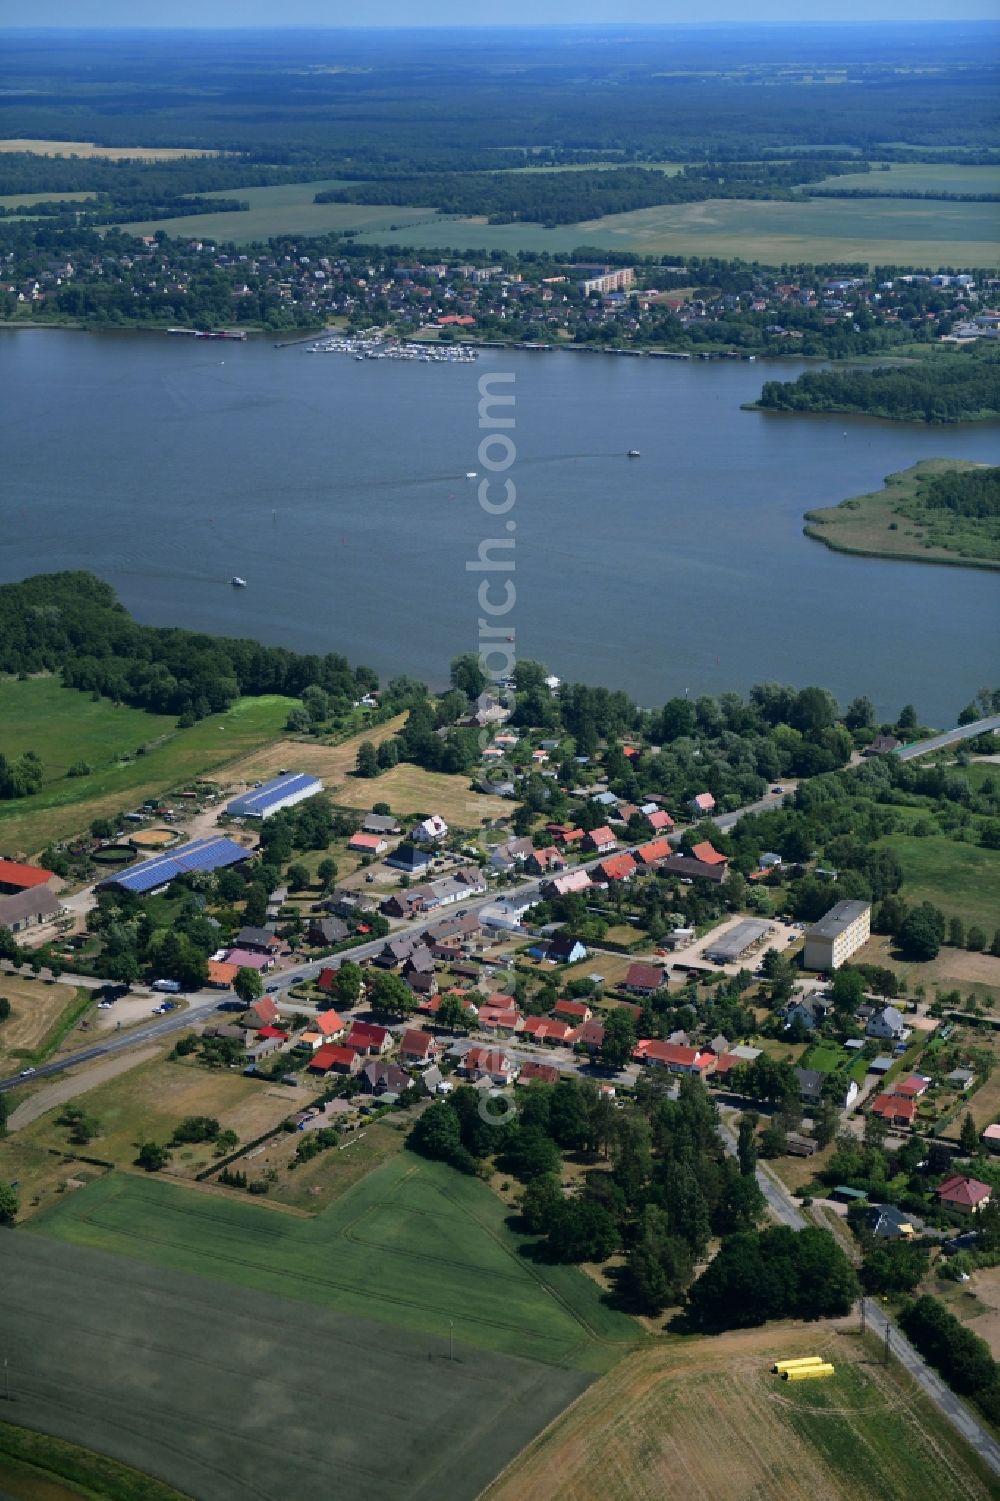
[(27, 200), (238, 1394), (64, 726), (288, 209), (962, 879), (895, 523), (881, 231), (920, 177), (413, 1245)]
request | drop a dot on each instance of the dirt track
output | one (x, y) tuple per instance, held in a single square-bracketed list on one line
[(68, 1086)]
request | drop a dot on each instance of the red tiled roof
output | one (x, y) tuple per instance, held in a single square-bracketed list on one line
[(644, 976), (659, 820), (911, 1087), (894, 1107), (221, 974), (367, 1034), (654, 849), (617, 867), (329, 1023), (487, 1060), (331, 1056), (591, 1034), (416, 1042), (272, 1032), (965, 1193), (547, 1073), (671, 1053), (579, 1009), (371, 843), (707, 853), (13, 873), (546, 1029), (603, 835)]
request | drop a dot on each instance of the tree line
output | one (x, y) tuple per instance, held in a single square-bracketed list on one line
[(966, 492), (72, 623), (553, 198), (957, 388)]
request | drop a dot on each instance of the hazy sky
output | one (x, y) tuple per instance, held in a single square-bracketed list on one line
[(132, 13)]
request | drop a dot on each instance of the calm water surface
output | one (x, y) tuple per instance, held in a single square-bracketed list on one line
[(338, 490)]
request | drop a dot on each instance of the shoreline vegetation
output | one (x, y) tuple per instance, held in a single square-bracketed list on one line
[(948, 388), (898, 523)]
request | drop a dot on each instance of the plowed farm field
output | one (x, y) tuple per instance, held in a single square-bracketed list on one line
[(704, 1420)]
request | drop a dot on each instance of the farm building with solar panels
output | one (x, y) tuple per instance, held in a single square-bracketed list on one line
[(270, 797), (200, 855)]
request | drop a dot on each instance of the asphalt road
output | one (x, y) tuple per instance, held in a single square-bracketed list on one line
[(948, 737), (941, 1395)]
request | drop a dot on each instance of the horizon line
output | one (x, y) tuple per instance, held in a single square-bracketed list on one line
[(389, 26)]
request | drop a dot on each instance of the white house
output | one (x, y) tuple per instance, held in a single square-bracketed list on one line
[(889, 1024), (431, 831)]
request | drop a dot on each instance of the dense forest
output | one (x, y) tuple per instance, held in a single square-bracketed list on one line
[(969, 492), (416, 101), (952, 389), (552, 198), (72, 623), (658, 1186)]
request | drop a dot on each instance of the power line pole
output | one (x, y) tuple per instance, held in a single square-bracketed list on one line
[(863, 1324), (888, 1331), (451, 1339)]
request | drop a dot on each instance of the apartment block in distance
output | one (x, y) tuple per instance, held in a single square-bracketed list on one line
[(838, 935)]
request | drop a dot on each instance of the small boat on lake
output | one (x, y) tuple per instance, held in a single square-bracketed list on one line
[(237, 582), (633, 453)]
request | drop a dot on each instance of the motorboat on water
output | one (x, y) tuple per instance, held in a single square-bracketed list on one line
[(237, 582), (633, 453), (471, 474)]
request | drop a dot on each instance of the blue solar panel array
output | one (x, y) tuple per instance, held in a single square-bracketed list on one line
[(201, 854), (259, 802)]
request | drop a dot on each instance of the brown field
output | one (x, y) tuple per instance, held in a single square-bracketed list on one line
[(976, 1303), (330, 762), (112, 153), (706, 1419), (952, 969), (410, 789), (407, 789), (146, 1103), (35, 1008)]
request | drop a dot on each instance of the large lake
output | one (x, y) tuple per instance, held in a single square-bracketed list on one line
[(338, 490)]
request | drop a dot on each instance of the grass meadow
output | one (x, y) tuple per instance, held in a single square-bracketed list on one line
[(879, 231), (962, 879), (63, 726), (895, 522), (413, 1245), (239, 1393), (287, 209)]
